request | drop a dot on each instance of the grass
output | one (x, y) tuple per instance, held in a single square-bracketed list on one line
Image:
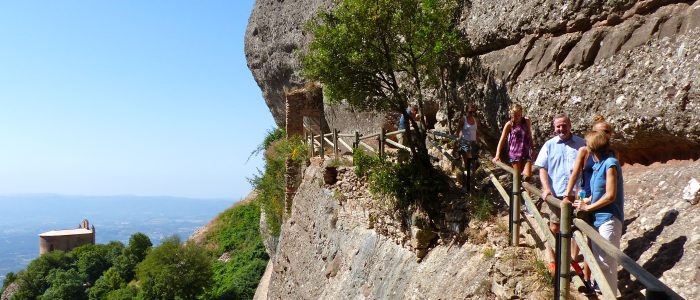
[(482, 208), (489, 253), (237, 232)]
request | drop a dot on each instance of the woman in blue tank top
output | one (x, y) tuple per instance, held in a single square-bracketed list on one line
[(583, 167), (607, 201)]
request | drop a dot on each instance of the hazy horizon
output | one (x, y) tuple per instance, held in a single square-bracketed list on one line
[(116, 218), (128, 98)]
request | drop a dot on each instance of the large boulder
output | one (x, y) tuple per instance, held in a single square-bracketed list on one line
[(634, 62)]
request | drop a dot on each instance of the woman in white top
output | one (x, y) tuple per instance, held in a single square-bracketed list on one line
[(468, 147)]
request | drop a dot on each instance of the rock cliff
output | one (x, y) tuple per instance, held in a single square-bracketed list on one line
[(333, 248), (634, 62)]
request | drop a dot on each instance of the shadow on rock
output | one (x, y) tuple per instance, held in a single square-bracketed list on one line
[(669, 254), (637, 246)]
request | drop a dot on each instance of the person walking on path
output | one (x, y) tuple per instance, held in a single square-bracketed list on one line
[(607, 202), (468, 147), (519, 134), (556, 161), (411, 111), (583, 168)]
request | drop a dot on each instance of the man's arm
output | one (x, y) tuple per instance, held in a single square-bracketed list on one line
[(544, 180)]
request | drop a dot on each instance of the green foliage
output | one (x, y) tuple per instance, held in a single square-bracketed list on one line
[(362, 47), (34, 280), (238, 233), (273, 135), (174, 271), (125, 293), (363, 162), (139, 244), (110, 281), (65, 284), (379, 55), (270, 184), (125, 264), (541, 272), (92, 261), (409, 182), (489, 252), (10, 277), (482, 208)]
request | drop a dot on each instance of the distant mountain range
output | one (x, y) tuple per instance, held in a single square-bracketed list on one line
[(116, 218)]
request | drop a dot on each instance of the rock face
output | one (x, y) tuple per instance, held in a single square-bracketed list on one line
[(635, 62), (328, 252), (333, 247), (10, 291), (274, 34)]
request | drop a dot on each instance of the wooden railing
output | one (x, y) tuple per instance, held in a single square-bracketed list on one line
[(570, 226)]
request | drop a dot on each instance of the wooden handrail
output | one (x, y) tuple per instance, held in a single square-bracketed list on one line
[(342, 142), (550, 199), (397, 145), (365, 137), (368, 147), (328, 141), (646, 278), (596, 271), (395, 132)]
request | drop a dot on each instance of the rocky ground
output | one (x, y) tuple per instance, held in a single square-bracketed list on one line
[(331, 247)]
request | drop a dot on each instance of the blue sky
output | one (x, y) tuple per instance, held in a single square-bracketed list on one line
[(127, 97)]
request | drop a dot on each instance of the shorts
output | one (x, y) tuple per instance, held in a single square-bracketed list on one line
[(471, 148), (554, 212)]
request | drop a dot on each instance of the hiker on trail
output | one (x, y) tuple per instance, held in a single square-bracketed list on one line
[(412, 111), (556, 160), (583, 169), (468, 147), (606, 202), (519, 134), (584, 162)]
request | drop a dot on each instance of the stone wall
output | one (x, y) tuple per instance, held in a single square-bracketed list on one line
[(64, 242), (304, 111)]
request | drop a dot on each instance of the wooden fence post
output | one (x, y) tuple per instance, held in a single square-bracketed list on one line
[(356, 144), (335, 142), (565, 255), (381, 142), (322, 150), (313, 145), (515, 209)]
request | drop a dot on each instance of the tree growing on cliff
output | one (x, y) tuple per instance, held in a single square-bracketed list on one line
[(380, 55), (174, 270)]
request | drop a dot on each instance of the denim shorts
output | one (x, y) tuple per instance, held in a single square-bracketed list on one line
[(468, 147)]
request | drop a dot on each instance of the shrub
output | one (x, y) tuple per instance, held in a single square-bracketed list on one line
[(65, 285), (109, 281), (270, 184), (10, 277), (409, 182), (34, 280), (237, 232), (174, 271), (363, 162)]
